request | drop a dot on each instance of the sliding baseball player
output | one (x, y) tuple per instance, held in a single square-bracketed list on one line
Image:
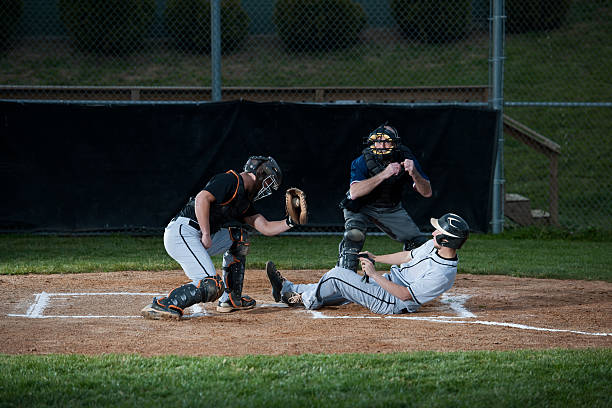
[(416, 277)]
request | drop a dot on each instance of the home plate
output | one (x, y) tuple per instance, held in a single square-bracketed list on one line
[(200, 310)]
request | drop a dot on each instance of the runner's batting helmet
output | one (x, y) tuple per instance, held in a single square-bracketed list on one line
[(268, 175), (454, 230)]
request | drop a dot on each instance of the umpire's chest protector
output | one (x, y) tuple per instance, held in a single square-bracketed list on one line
[(389, 192)]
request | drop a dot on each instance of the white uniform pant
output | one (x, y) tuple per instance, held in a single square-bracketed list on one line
[(184, 244)]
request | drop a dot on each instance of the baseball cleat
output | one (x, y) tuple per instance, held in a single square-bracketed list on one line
[(160, 310), (245, 303), (293, 299), (276, 280)]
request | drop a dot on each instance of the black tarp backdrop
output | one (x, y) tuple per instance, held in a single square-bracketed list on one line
[(72, 168)]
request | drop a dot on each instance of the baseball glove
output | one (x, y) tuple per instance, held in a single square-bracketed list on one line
[(296, 206)]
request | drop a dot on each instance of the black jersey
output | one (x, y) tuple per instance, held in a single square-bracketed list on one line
[(231, 203)]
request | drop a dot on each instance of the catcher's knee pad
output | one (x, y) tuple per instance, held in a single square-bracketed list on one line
[(351, 244), (183, 297), (240, 242), (211, 288), (207, 290)]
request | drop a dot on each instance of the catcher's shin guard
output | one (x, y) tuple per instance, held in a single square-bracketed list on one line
[(172, 306), (233, 273), (351, 245)]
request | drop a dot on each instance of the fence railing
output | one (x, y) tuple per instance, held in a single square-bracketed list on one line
[(397, 94), (551, 150)]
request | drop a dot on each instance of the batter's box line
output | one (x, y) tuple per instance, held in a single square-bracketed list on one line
[(456, 303), (42, 300), (446, 319)]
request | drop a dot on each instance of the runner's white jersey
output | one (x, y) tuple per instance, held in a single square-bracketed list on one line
[(427, 275)]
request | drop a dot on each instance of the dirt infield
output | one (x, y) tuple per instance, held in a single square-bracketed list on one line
[(100, 313)]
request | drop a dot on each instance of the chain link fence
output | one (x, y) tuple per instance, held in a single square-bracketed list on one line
[(557, 90), (557, 82)]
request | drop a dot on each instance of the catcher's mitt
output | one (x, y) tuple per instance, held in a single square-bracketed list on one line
[(296, 206)]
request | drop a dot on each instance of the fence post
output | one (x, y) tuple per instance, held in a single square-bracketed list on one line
[(554, 190), (496, 80), (215, 48)]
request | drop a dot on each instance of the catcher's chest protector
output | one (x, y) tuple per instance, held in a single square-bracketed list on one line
[(222, 212), (231, 210)]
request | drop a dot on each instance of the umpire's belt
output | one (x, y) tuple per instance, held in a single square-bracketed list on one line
[(185, 220)]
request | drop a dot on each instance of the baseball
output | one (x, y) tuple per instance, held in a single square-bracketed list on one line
[(296, 201)]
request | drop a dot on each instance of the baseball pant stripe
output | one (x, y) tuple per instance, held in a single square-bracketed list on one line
[(191, 251), (341, 281)]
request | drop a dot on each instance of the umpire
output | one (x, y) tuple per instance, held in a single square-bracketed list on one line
[(378, 179)]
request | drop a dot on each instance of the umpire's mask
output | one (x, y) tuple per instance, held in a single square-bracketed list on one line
[(384, 134)]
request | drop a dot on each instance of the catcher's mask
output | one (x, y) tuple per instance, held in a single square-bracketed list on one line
[(268, 175), (383, 133), (454, 230)]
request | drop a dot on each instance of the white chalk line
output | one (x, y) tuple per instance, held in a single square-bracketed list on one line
[(199, 310), (455, 302), (446, 319), (39, 305), (41, 301)]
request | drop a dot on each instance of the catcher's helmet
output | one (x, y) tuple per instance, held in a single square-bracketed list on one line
[(454, 230), (268, 175), (383, 133)]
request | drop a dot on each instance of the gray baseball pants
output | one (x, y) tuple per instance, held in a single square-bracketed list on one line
[(393, 221), (340, 286)]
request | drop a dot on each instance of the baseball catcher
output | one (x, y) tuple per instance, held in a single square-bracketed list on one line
[(212, 223)]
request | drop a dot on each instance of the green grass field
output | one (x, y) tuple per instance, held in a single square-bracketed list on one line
[(551, 378), (530, 253)]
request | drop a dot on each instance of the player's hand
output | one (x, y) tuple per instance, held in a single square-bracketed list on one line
[(368, 254), (408, 166), (366, 265), (392, 169), (206, 241), (368, 269)]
